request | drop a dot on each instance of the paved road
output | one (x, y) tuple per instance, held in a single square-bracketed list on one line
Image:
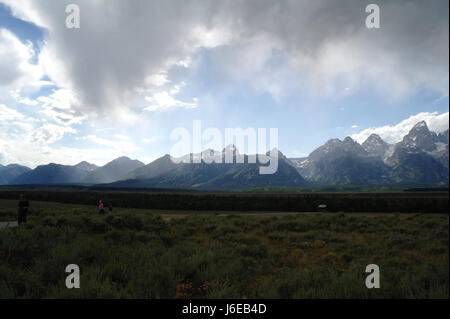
[(8, 224)]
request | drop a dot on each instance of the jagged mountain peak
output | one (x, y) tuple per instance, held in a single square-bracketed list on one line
[(86, 166), (348, 139), (419, 138), (420, 128), (374, 138), (374, 145), (230, 148), (277, 152), (443, 136), (333, 141), (336, 146), (420, 125)]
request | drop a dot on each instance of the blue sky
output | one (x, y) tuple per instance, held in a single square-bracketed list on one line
[(121, 84)]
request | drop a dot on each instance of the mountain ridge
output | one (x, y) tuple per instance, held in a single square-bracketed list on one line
[(420, 157)]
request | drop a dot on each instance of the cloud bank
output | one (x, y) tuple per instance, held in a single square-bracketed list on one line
[(316, 46), (395, 133)]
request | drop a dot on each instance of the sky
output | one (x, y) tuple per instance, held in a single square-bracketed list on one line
[(134, 71)]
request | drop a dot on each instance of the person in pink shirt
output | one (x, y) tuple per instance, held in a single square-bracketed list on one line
[(101, 209)]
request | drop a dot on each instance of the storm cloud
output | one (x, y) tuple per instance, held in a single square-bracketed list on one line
[(325, 46)]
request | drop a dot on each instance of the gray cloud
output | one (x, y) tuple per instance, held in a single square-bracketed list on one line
[(121, 43), (329, 48)]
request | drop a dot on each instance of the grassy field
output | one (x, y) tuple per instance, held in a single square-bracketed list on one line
[(138, 253)]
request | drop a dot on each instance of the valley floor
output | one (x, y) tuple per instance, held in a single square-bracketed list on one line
[(139, 253)]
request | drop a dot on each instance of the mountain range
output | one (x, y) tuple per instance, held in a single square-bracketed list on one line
[(164, 173), (421, 157), (82, 173)]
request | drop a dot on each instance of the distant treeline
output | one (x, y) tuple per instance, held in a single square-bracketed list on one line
[(424, 202), (427, 189), (350, 188)]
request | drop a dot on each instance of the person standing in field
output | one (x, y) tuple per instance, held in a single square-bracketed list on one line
[(101, 209), (110, 207), (22, 211)]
